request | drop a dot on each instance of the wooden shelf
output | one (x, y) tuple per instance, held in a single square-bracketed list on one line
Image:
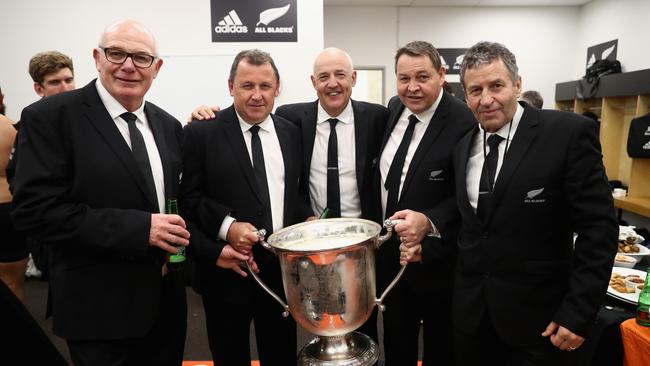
[(620, 99), (638, 205)]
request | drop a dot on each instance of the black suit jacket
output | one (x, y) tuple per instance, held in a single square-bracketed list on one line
[(219, 180), (79, 189), (519, 267), (428, 188), (369, 123)]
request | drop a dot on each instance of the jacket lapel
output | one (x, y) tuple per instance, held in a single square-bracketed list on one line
[(101, 120), (238, 147), (285, 146), (460, 166), (163, 150), (521, 142), (434, 128), (360, 141), (395, 113), (308, 127)]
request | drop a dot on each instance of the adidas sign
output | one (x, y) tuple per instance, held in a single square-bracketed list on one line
[(231, 24)]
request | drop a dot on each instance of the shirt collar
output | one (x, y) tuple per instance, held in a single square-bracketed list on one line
[(113, 107), (346, 116), (266, 125), (426, 115)]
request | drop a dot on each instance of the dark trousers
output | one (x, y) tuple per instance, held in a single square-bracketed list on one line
[(485, 347), (406, 311), (163, 345), (228, 326)]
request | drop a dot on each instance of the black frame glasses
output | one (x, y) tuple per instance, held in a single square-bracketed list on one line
[(117, 56)]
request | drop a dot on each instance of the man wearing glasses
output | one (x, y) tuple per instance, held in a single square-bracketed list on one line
[(96, 167)]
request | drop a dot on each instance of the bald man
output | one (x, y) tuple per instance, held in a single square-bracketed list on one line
[(339, 180), (96, 167)]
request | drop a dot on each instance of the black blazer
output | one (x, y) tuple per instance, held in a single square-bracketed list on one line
[(519, 267), (219, 180), (79, 189), (369, 123), (429, 188)]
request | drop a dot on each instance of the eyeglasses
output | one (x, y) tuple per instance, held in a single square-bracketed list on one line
[(140, 59)]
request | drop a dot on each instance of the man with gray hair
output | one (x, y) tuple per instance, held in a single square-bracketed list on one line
[(96, 167), (527, 179), (241, 173)]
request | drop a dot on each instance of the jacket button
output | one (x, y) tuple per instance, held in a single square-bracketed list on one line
[(259, 213), (484, 235), (486, 275)]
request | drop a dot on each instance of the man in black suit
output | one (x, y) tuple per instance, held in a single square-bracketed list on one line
[(340, 178), (359, 128), (96, 167), (346, 188), (526, 181), (416, 184), (241, 174)]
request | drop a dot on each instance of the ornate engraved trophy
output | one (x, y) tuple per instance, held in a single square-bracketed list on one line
[(328, 272)]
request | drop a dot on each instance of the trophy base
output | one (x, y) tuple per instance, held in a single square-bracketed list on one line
[(352, 349)]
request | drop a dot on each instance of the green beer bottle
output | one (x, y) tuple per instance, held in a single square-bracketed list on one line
[(175, 261), (643, 309)]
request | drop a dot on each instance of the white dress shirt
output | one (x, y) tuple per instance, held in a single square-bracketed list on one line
[(350, 201), (115, 109), (393, 143), (274, 165), (476, 157)]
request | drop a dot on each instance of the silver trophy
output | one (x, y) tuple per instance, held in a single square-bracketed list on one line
[(328, 272)]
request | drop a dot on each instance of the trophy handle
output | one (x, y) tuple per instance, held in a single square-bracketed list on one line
[(388, 224), (260, 234), (379, 302)]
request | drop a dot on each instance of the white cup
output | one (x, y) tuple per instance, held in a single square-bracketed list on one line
[(619, 192)]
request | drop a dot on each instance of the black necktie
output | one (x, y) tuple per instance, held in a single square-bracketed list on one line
[(260, 176), (487, 176), (140, 155), (394, 176), (333, 188)]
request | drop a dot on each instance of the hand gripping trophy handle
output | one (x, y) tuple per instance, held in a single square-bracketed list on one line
[(261, 233), (388, 224)]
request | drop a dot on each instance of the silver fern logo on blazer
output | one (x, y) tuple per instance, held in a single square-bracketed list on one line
[(531, 196), (435, 176)]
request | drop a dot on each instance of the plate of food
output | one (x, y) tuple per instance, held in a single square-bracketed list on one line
[(632, 249), (625, 284)]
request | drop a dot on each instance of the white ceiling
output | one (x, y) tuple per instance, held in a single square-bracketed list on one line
[(456, 2)]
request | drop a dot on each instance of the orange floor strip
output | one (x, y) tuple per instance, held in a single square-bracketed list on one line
[(209, 363)]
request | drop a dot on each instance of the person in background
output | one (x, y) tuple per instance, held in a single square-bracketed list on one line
[(52, 73), (415, 183), (532, 97), (525, 293), (241, 174), (96, 167)]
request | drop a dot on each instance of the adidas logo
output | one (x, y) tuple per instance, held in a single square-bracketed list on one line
[(231, 24), (647, 132)]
